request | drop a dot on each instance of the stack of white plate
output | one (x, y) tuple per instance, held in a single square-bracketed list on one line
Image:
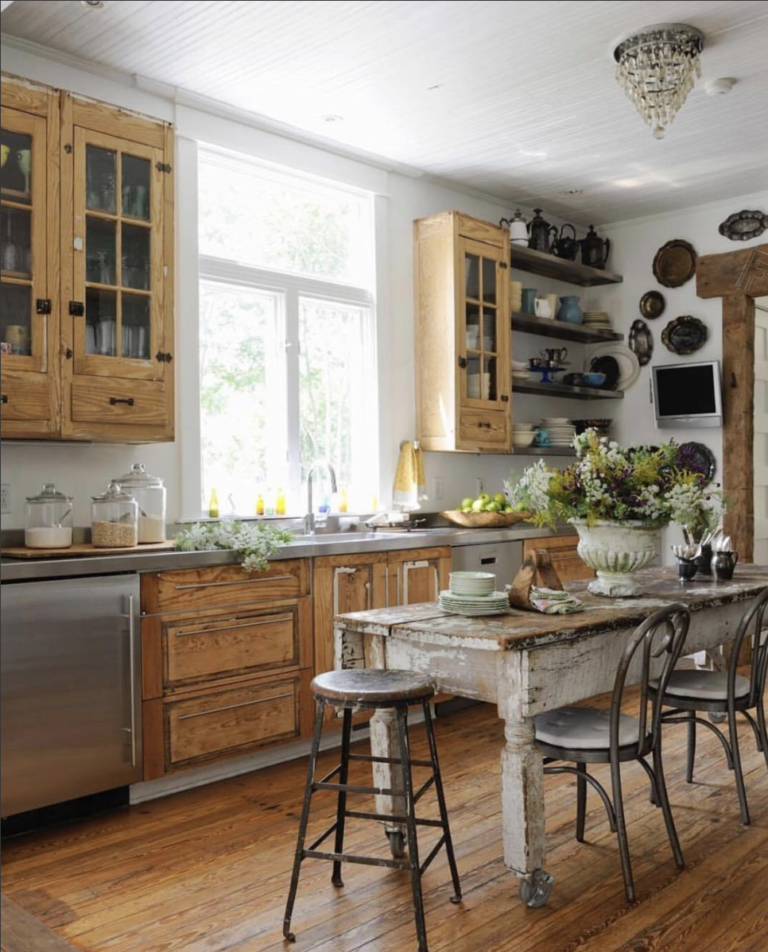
[(561, 430), (472, 583), (597, 319), (497, 603), (523, 434)]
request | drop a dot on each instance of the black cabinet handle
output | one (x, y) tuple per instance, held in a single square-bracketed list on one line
[(128, 401), (4, 398)]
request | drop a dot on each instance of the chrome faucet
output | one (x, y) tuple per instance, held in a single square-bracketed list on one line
[(309, 519)]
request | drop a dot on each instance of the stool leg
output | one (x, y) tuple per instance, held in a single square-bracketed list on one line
[(441, 802), (303, 822), (341, 808), (410, 812), (691, 754), (581, 802), (738, 772)]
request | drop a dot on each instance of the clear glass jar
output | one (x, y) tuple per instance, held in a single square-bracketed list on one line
[(114, 518), (49, 520), (149, 493)]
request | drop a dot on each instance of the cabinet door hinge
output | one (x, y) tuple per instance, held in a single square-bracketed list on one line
[(68, 353), (163, 358), (76, 308), (43, 306), (164, 167), (504, 398), (462, 362), (68, 148), (502, 264)]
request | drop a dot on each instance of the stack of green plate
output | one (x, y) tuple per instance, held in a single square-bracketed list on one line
[(497, 603)]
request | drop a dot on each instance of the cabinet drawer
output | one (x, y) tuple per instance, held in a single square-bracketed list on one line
[(26, 398), (225, 646), (483, 427), (230, 718), (138, 402), (188, 589)]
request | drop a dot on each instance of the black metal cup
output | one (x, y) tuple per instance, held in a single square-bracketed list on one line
[(686, 569), (704, 560)]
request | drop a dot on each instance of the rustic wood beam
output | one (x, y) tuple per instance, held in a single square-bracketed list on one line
[(735, 272)]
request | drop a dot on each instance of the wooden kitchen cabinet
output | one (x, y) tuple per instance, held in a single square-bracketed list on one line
[(563, 554), (463, 334), (29, 317), (418, 575), (87, 269)]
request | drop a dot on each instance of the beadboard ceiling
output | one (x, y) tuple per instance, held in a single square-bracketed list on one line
[(515, 99)]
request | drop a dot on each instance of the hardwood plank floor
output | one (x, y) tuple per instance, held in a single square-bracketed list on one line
[(208, 869)]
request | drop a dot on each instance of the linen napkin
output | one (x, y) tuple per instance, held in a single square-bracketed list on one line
[(553, 602), (410, 486)]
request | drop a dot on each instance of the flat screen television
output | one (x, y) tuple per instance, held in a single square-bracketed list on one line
[(686, 395)]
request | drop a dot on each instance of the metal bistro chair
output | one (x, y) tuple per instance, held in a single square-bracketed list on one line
[(588, 736), (368, 690), (724, 692)]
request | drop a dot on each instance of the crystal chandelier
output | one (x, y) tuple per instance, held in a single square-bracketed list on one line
[(657, 68)]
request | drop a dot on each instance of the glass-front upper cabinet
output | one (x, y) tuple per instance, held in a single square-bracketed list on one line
[(23, 220), (483, 358), (119, 272)]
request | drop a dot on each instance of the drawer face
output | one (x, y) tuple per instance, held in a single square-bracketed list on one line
[(227, 646), (26, 398), (230, 718), (223, 585), (111, 400), (483, 427)]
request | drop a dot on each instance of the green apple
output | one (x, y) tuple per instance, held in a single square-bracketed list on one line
[(466, 503), (509, 508), (478, 505), (485, 497), (500, 498), (520, 507), (493, 507)]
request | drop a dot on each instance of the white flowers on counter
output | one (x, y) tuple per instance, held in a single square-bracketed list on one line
[(254, 543)]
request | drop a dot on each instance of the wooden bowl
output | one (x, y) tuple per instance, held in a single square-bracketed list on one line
[(484, 520)]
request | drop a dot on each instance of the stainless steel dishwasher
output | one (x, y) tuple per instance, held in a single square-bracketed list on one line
[(502, 558), (70, 676)]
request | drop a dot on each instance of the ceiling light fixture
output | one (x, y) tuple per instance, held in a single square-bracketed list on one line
[(93, 4), (330, 117), (657, 68), (571, 191)]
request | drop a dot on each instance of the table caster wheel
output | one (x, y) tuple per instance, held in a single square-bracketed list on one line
[(396, 843), (536, 889), (717, 717)]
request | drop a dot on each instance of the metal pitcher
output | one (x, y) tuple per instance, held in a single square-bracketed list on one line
[(594, 249), (566, 246), (540, 231)]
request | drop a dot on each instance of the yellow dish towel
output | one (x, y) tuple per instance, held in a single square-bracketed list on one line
[(410, 485)]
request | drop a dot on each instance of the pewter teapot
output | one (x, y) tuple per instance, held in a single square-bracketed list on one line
[(539, 231), (594, 249), (566, 246)]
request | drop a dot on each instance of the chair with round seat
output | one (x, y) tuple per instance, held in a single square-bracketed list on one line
[(689, 693), (370, 690), (585, 736)]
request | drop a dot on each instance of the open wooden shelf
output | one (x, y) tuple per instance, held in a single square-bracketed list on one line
[(544, 451), (561, 330), (549, 266), (563, 390)]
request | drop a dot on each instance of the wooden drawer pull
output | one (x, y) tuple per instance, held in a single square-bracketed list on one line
[(242, 581), (274, 619), (128, 401), (232, 707)]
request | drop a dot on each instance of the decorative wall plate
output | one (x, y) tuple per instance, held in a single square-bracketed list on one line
[(744, 225), (675, 263), (698, 458), (629, 366), (652, 305), (641, 342), (685, 335)]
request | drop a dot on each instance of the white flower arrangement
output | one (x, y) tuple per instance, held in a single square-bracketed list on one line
[(255, 543)]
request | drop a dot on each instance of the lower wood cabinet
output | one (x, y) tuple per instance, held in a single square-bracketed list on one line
[(564, 556)]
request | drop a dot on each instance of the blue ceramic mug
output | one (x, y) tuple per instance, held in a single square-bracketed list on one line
[(529, 299)]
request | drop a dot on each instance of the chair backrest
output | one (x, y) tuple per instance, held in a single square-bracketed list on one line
[(660, 635), (751, 624)]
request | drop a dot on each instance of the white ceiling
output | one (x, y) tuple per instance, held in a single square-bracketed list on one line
[(525, 105)]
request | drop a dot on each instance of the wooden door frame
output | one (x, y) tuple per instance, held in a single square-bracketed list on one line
[(738, 277)]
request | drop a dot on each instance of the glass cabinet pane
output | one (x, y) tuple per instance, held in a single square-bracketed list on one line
[(100, 252), (16, 319), (135, 187), (101, 322), (16, 243), (488, 382), (135, 257), (489, 330), (473, 378), (473, 327), (16, 157), (472, 276), (100, 180), (489, 280), (135, 341)]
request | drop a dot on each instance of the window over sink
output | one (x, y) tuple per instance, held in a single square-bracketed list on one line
[(287, 334)]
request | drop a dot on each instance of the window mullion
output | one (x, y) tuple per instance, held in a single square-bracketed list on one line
[(292, 357)]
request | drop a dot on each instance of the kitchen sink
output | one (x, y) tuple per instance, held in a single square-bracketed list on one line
[(326, 538)]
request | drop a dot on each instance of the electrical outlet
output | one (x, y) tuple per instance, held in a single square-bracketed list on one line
[(5, 504), (438, 488)]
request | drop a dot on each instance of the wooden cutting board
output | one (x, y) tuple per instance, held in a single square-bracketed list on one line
[(84, 548)]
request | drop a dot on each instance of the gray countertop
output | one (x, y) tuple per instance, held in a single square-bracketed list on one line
[(346, 543)]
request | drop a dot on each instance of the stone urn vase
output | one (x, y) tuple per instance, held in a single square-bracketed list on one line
[(615, 550)]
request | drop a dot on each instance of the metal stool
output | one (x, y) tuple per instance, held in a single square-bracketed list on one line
[(368, 690)]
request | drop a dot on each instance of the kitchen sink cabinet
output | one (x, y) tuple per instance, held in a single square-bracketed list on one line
[(87, 270), (418, 575), (463, 334)]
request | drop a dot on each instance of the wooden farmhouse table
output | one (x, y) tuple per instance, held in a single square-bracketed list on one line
[(527, 663)]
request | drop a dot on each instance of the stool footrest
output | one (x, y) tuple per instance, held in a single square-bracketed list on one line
[(353, 788), (361, 860), (367, 758), (390, 818)]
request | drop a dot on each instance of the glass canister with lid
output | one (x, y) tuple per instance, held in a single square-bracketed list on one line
[(114, 518), (49, 519), (149, 493)]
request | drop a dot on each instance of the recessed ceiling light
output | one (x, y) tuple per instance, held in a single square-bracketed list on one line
[(330, 117), (93, 4), (436, 86), (571, 191)]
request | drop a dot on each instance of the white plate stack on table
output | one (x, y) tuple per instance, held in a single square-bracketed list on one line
[(598, 320), (523, 434), (560, 429), (473, 594)]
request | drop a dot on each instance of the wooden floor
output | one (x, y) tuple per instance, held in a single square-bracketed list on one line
[(208, 870)]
